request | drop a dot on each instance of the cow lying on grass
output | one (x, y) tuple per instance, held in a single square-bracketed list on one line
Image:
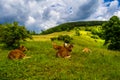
[(18, 53), (63, 51), (86, 50)]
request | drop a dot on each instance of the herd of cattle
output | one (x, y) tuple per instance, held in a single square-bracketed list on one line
[(63, 51)]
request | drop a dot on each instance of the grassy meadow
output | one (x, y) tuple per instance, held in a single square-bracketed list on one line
[(100, 64)]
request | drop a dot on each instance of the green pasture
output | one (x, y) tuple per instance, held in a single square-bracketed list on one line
[(100, 64)]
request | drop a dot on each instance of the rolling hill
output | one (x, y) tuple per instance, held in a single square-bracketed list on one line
[(71, 25), (100, 64)]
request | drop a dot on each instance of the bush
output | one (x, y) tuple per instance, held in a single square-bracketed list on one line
[(88, 28), (77, 29), (12, 34), (97, 31), (95, 36), (53, 38), (64, 38)]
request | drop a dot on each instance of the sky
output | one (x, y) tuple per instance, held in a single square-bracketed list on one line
[(37, 15)]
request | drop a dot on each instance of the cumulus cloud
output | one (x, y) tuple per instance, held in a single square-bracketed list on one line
[(38, 15), (106, 10), (117, 13)]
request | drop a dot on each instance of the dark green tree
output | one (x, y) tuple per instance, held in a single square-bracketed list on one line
[(65, 38), (12, 34), (112, 33), (77, 31)]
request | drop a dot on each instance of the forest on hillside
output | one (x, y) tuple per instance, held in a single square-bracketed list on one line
[(71, 25)]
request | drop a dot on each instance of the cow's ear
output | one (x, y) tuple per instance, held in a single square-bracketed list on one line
[(22, 46), (65, 44)]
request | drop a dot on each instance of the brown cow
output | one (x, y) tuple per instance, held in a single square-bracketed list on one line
[(86, 50), (17, 53), (63, 51)]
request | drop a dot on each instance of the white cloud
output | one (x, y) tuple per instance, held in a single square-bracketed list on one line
[(43, 14), (117, 13), (106, 10), (30, 20)]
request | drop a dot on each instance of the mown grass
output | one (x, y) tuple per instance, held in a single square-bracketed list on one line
[(100, 64)]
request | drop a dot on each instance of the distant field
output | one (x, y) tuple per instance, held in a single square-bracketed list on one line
[(100, 64), (48, 36)]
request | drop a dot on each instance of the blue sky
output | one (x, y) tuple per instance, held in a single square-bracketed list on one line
[(43, 14)]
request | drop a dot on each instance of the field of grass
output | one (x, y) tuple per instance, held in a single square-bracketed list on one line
[(100, 64)]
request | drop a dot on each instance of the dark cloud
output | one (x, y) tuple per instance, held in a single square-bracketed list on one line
[(86, 10)]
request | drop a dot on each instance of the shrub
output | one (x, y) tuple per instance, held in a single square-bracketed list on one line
[(77, 29), (97, 31), (95, 36), (12, 34), (53, 38), (64, 38), (88, 28)]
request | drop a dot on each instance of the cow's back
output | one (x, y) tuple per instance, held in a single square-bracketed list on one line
[(16, 54)]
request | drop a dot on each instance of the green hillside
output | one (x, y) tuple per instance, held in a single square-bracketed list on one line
[(100, 64), (71, 25)]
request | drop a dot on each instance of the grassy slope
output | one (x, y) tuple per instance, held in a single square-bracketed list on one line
[(101, 64)]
